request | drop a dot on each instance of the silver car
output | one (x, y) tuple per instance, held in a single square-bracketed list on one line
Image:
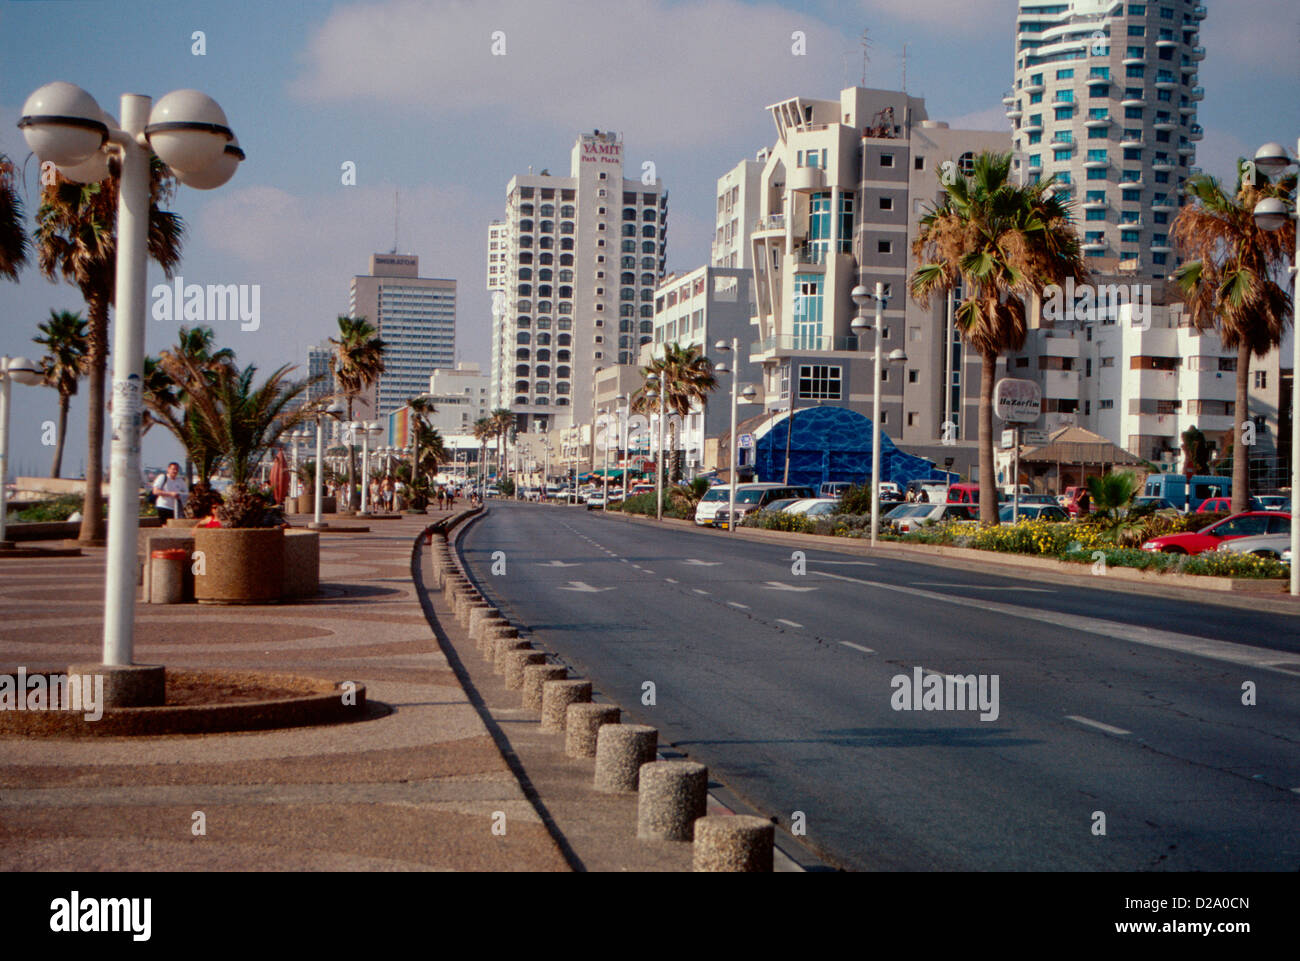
[(1262, 545)]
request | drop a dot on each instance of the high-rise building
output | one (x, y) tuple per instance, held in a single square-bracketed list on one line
[(1105, 98), (737, 213), (841, 195), (460, 395), (416, 319), (318, 369), (580, 259)]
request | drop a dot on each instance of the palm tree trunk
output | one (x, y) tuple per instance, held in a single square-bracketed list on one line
[(92, 510), (352, 477), (988, 482), (1240, 452), (57, 467)]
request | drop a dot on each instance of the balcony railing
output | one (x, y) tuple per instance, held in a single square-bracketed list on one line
[(811, 254), (773, 222), (809, 342)]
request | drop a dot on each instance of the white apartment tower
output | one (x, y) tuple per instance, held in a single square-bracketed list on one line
[(738, 191), (579, 258), (1105, 98), (416, 319)]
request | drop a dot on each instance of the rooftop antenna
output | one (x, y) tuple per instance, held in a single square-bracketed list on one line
[(904, 68), (865, 41)]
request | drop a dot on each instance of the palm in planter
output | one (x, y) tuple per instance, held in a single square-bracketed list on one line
[(357, 362)]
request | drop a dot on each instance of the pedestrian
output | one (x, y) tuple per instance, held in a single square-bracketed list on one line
[(170, 492), (923, 496)]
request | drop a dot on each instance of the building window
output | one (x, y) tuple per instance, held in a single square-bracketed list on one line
[(884, 246), (819, 382), (1261, 379), (886, 160)]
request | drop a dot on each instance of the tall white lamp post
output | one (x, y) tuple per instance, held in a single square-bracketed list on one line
[(1270, 214), (188, 131), (861, 297), (328, 410), (748, 394), (23, 371), (658, 389)]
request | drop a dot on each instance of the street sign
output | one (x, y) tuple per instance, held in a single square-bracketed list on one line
[(1008, 439), (746, 441), (1033, 437), (1018, 401)]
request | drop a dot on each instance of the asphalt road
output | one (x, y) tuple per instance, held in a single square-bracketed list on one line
[(1116, 712)]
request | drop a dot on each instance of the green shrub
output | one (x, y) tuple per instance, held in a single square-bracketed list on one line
[(855, 500), (1232, 564)]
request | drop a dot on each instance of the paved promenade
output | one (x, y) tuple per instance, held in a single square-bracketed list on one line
[(420, 788)]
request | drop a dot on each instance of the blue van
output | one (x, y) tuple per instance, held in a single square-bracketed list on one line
[(1173, 488)]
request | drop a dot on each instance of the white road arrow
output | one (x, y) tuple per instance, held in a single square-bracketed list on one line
[(698, 563), (585, 588), (557, 564), (778, 586)]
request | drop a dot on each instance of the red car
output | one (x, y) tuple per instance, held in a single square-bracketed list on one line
[(1247, 524), (1223, 505)]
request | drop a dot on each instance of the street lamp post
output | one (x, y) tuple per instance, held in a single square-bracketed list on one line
[(861, 297), (333, 409), (188, 132), (658, 388), (604, 505), (1270, 214), (23, 371)]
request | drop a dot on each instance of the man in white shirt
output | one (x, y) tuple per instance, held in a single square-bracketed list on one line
[(171, 491)]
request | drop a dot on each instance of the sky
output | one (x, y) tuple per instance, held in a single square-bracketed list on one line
[(436, 123)]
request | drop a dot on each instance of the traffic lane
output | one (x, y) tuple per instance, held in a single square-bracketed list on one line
[(1087, 596), (1174, 701), (697, 665)]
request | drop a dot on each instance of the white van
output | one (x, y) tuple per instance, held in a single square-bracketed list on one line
[(749, 497)]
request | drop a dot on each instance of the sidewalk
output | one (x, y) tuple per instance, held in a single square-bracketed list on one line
[(420, 788)]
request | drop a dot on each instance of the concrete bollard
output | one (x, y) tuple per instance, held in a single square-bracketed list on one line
[(478, 615), (468, 608), (534, 676), (737, 842), (167, 575), (488, 636), (516, 661), (621, 749), (485, 625), (452, 588), (581, 723), (501, 648), (556, 698), (671, 795)]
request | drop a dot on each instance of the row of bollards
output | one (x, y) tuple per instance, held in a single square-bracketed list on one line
[(672, 796)]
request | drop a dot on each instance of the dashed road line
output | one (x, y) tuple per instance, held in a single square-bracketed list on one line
[(782, 620), (698, 591), (1089, 722), (858, 647), (743, 607), (670, 580)]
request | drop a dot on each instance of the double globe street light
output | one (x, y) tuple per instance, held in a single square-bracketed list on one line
[(861, 297), (748, 393), (188, 131), (1272, 213)]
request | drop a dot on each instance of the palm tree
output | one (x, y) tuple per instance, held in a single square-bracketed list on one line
[(357, 362), (66, 343), (1113, 492), (688, 378), (76, 238), (483, 431), (433, 453), (503, 423), (244, 421), (419, 407), (1002, 242), (194, 351), (13, 237), (1229, 281)]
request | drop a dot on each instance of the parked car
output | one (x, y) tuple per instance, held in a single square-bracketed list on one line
[(964, 494), (1173, 487), (1275, 502), (1038, 499), (833, 488), (918, 515), (1033, 512), (814, 506), (1265, 545), (749, 497), (936, 492), (596, 501), (1077, 501), (1246, 524), (1223, 505), (1154, 504)]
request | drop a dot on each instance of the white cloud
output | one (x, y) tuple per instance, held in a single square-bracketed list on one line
[(668, 73), (955, 15), (994, 118)]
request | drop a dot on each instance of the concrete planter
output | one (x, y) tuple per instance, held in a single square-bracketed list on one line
[(240, 565), (301, 563), (183, 522)]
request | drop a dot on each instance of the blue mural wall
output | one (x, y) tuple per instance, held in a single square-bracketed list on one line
[(833, 444)]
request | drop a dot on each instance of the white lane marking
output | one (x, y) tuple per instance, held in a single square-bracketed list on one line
[(782, 620), (1108, 728), (982, 587), (1233, 653), (699, 563), (557, 564), (778, 586), (585, 588), (670, 580), (647, 570), (698, 591), (858, 647), (818, 560), (1296, 790), (743, 607)]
